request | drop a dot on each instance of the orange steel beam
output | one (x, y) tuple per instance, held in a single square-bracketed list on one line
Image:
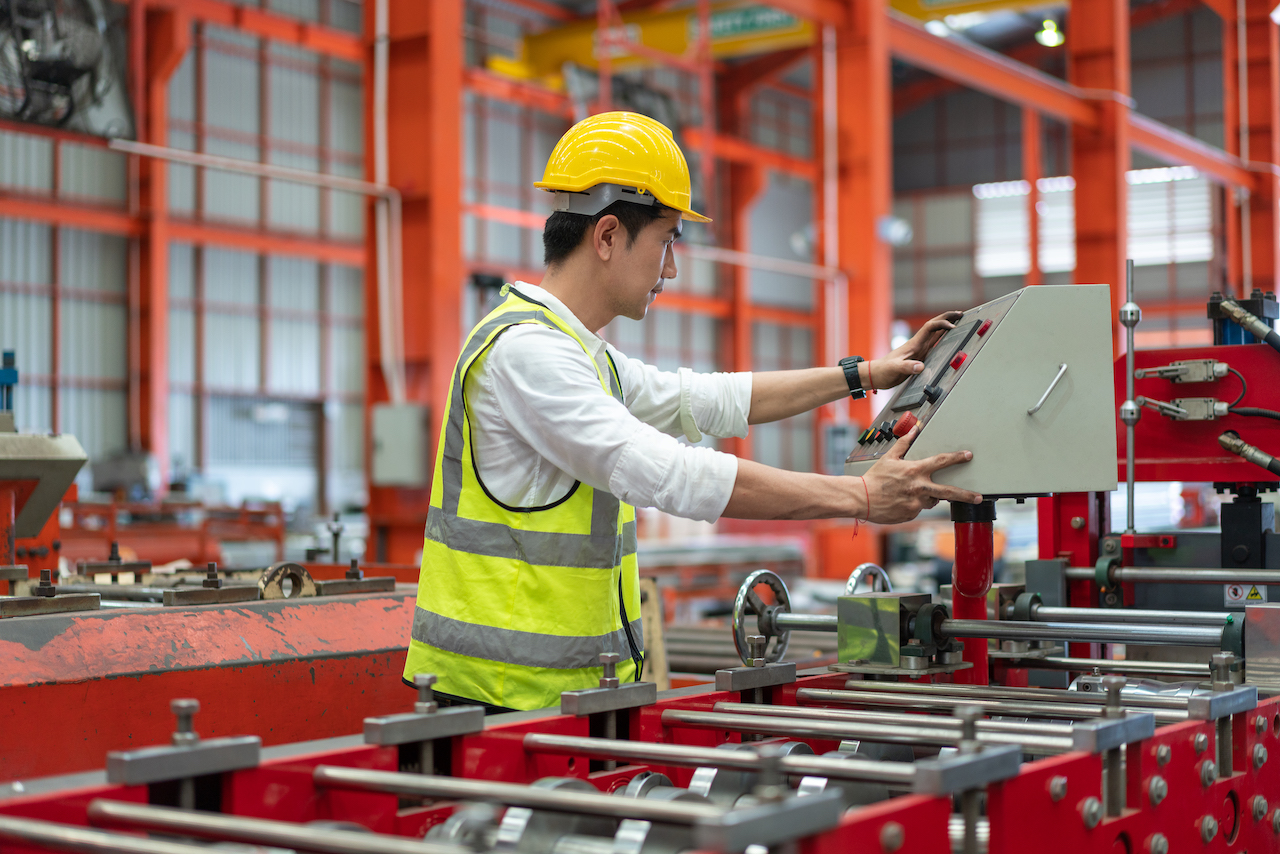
[(1165, 143), (490, 85), (321, 39), (988, 71), (735, 150), (1262, 56), (1098, 58), (864, 190), (267, 242), (87, 217), (1032, 161)]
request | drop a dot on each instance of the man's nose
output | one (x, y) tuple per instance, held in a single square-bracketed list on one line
[(669, 265)]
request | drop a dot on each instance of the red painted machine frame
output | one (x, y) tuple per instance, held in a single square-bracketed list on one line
[(1022, 811)]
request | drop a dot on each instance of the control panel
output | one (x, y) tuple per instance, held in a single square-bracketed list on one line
[(1024, 382)]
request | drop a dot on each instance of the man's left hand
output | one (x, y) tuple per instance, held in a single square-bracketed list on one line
[(904, 362)]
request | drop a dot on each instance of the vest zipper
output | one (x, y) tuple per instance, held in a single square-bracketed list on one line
[(636, 656)]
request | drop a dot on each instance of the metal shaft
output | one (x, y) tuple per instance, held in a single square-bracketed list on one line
[(456, 788), (1179, 575), (1138, 635), (691, 756), (282, 834), (1002, 692), (802, 728), (1027, 709), (1043, 614), (65, 837), (894, 719), (1129, 316), (1124, 668), (806, 622)]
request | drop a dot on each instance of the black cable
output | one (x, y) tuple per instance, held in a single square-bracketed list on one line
[(1255, 412), (1244, 387)]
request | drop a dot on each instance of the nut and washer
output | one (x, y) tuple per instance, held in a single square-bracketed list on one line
[(1208, 828), (1200, 743), (1259, 804), (1208, 773), (892, 836), (1057, 788), (1163, 754), (1260, 725), (1158, 843), (1157, 790), (1091, 812), (1259, 756)]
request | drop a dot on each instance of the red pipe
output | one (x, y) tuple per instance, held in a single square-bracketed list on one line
[(971, 577)]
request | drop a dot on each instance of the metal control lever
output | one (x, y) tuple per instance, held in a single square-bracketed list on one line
[(1188, 371), (416, 732), (1188, 408)]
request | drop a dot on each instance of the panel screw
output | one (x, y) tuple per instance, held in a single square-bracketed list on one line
[(1077, 522), (1163, 754), (1208, 773), (1157, 790), (755, 647), (185, 710), (1091, 812), (1200, 743), (609, 663), (891, 837), (1259, 756), (1259, 807), (1057, 788), (426, 704), (1208, 828), (1260, 725), (1158, 844)]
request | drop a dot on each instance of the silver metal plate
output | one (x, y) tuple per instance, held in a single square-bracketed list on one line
[(967, 771), (167, 762), (747, 678), (1104, 734), (413, 727), (591, 701)]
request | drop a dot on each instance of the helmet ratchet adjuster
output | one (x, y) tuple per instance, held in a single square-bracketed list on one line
[(592, 201)]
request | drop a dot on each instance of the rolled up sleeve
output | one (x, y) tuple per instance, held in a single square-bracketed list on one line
[(684, 402)]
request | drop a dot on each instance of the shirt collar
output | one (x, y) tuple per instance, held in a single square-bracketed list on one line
[(593, 341)]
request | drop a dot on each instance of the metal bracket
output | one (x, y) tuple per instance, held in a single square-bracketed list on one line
[(166, 762), (591, 701), (967, 770), (748, 678), (210, 595), (412, 727), (1099, 736), (1220, 704), (770, 823), (27, 606), (342, 586)]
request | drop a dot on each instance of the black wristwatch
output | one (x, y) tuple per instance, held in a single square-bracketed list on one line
[(850, 366)]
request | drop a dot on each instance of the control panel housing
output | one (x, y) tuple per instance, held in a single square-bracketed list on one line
[(996, 385)]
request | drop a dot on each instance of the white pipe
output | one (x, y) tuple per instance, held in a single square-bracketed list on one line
[(758, 262), (1242, 193), (390, 286), (837, 287)]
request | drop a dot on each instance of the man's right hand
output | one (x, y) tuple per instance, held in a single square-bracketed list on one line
[(899, 490)]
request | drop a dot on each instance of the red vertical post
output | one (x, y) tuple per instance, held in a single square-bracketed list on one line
[(865, 191), (1070, 526), (1098, 46), (971, 577), (1031, 168), (8, 515)]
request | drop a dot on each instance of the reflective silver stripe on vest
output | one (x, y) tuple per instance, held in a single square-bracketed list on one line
[(526, 649), (538, 548)]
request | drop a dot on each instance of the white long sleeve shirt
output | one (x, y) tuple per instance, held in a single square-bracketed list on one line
[(540, 421)]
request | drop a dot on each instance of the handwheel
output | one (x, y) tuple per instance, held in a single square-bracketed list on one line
[(747, 599), (876, 572)]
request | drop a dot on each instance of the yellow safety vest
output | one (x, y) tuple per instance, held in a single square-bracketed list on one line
[(515, 604)]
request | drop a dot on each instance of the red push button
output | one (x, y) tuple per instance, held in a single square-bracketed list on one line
[(982, 330), (904, 424), (959, 360)]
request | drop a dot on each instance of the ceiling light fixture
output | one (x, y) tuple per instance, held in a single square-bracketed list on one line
[(1049, 35)]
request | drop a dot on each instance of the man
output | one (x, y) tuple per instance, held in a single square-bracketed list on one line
[(551, 438)]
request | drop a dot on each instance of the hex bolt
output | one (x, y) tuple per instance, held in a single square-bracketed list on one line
[(609, 662), (1259, 756), (1259, 806), (1158, 843), (1275, 822), (1208, 828), (1200, 743), (114, 557), (892, 835), (1260, 725), (1113, 685), (1077, 522), (45, 588), (426, 704), (355, 573), (1057, 788), (755, 649), (211, 579), (1221, 667), (771, 783), (1091, 812), (969, 715), (185, 709), (1157, 790), (1208, 773), (1163, 754)]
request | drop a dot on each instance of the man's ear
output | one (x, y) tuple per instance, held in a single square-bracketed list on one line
[(606, 236)]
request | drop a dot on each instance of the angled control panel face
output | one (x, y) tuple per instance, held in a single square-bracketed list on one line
[(1025, 383)]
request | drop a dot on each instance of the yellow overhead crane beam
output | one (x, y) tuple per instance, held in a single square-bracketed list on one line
[(738, 28)]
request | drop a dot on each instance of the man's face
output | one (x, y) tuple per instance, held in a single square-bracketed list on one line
[(643, 267)]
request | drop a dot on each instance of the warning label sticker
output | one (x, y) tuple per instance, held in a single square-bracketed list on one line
[(1243, 594)]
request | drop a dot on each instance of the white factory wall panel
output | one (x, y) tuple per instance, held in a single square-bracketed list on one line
[(26, 162), (92, 172), (786, 444), (26, 318), (182, 433), (96, 417), (232, 337), (294, 359), (778, 229)]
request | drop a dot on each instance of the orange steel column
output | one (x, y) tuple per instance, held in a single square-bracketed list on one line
[(1263, 69), (1231, 144), (1031, 166), (424, 118), (865, 183), (168, 35), (1098, 58)]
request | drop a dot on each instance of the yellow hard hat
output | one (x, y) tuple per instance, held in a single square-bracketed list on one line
[(614, 156)]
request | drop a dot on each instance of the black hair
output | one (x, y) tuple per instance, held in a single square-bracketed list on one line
[(564, 232)]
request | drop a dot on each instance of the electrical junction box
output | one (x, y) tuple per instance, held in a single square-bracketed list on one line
[(401, 445), (1026, 383)]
